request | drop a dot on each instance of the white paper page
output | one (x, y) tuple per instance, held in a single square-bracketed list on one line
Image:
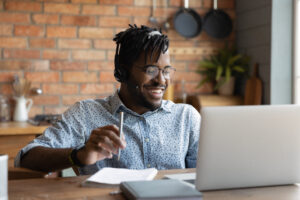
[(109, 175)]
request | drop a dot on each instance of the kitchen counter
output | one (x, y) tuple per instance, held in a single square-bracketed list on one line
[(15, 135)]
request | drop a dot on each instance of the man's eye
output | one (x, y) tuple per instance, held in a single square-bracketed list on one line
[(151, 70)]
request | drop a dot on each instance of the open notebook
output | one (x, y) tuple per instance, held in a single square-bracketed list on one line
[(111, 177)]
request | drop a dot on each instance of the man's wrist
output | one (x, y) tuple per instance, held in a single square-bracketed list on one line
[(73, 158)]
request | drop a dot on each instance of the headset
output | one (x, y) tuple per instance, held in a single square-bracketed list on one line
[(120, 73)]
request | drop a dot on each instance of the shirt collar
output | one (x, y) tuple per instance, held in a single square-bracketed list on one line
[(117, 105)]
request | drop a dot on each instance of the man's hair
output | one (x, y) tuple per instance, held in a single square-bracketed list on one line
[(133, 41)]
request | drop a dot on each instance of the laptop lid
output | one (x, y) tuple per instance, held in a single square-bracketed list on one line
[(248, 146)]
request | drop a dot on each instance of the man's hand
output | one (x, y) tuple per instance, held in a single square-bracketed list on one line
[(103, 143)]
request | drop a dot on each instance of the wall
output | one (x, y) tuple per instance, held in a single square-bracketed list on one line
[(253, 35), (65, 46)]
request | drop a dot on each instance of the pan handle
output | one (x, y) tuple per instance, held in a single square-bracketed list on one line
[(186, 4), (215, 4)]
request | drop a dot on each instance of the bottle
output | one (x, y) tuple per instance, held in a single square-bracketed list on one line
[(4, 109)]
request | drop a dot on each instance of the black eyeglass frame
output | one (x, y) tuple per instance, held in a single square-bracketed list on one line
[(146, 69)]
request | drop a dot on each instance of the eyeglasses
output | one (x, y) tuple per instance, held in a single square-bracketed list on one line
[(153, 71)]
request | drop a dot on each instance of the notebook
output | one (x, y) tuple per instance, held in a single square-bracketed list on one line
[(159, 189), (112, 177), (248, 146)]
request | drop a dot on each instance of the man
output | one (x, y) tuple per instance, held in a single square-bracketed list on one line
[(158, 133)]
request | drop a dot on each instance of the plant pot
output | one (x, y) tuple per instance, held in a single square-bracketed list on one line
[(228, 87)]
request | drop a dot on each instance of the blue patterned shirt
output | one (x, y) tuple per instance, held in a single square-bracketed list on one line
[(166, 138)]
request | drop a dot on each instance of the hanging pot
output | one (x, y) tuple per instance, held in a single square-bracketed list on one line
[(187, 22), (217, 23)]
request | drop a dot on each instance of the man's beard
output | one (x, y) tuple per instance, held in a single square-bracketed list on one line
[(140, 98)]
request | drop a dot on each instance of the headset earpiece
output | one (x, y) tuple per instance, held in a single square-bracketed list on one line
[(120, 73)]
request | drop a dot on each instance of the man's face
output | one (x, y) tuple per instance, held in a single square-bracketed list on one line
[(147, 91)]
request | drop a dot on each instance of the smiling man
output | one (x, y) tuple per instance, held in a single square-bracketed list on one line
[(158, 133)]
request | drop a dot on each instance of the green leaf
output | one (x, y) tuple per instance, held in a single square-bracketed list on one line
[(227, 74), (219, 72), (232, 60), (238, 69), (203, 81)]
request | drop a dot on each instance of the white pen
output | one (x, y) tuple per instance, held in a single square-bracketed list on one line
[(121, 131)]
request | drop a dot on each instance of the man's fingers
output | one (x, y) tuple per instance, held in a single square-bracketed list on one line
[(112, 135)]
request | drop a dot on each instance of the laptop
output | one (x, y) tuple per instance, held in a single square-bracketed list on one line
[(248, 146)]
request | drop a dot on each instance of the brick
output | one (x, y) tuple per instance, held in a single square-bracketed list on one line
[(1, 4), (13, 42), (6, 29), (23, 6), (6, 89), (101, 65), (43, 77), (8, 76), (84, 1), (30, 30), (98, 10), (63, 89), (74, 43), (111, 55), (45, 100), (160, 3), (56, 54), (67, 65), (142, 21), (70, 100), (187, 76), (55, 1), (179, 66), (45, 18), (136, 11), (35, 110), (114, 21), (14, 18), (61, 8), (88, 55), (55, 109), (78, 20), (96, 88), (80, 77), (104, 44), (21, 53), (193, 66), (117, 2), (107, 76), (102, 33), (59, 31), (42, 43), (24, 65), (165, 12)]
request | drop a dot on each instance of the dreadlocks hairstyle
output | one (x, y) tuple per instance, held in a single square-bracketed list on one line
[(132, 42)]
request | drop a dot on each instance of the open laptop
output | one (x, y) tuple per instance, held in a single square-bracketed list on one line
[(248, 146)]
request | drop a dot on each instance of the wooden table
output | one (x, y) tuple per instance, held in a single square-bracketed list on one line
[(15, 135), (69, 188)]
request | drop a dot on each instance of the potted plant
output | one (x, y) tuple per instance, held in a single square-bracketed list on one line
[(222, 68)]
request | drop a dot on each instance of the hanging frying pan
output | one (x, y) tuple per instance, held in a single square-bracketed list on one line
[(217, 23), (187, 22)]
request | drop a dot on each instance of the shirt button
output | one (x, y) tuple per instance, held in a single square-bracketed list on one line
[(147, 139), (148, 165)]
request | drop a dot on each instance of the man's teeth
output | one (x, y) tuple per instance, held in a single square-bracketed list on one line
[(156, 91)]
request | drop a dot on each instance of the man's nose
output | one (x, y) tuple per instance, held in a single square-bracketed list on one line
[(160, 77)]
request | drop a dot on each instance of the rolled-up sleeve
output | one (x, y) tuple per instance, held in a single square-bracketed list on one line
[(65, 133)]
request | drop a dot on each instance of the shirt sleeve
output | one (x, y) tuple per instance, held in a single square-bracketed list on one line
[(67, 132), (194, 127)]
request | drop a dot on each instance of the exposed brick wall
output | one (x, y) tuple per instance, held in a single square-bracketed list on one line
[(65, 47)]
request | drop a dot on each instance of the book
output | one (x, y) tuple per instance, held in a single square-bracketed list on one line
[(159, 190), (112, 177)]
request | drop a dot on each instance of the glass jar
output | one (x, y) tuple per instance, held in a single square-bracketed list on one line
[(4, 109)]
